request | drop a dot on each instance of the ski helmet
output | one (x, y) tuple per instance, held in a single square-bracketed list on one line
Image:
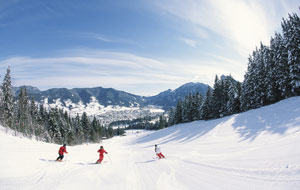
[(101, 146), (65, 145)]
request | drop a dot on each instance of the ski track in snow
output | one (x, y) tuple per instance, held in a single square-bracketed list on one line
[(229, 153)]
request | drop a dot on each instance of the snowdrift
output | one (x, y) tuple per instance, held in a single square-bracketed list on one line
[(258, 149)]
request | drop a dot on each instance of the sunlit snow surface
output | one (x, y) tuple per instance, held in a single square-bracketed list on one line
[(258, 149)]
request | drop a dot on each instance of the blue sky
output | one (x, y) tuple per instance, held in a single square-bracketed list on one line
[(142, 47)]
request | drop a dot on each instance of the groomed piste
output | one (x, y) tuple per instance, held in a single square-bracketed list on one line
[(258, 149)]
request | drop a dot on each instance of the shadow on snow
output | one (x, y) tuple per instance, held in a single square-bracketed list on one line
[(274, 119)]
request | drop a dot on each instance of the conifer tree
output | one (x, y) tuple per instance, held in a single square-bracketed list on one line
[(78, 130), (171, 114), (187, 109), (24, 124), (260, 94), (97, 131), (53, 127), (234, 92), (272, 88), (217, 98), (110, 132), (34, 111), (94, 126), (162, 123), (280, 71), (248, 95), (85, 123), (197, 101), (291, 33), (178, 117), (207, 110), (8, 99), (1, 105)]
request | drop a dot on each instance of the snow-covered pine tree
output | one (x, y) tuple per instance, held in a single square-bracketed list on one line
[(95, 135), (109, 132), (187, 109), (8, 100), (197, 101), (85, 123), (225, 95), (42, 120), (23, 116), (37, 127), (162, 123), (254, 86), (233, 93), (291, 33), (171, 120), (61, 125), (79, 134), (190, 110), (272, 90), (207, 112), (217, 98), (53, 126), (281, 68), (278, 72), (34, 111), (178, 117), (42, 114), (260, 71), (1, 105), (67, 126), (248, 86)]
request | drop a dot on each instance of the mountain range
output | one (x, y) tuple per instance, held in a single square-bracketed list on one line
[(113, 97), (108, 104)]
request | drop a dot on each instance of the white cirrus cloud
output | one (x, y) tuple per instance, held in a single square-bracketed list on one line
[(189, 42), (243, 23), (119, 70)]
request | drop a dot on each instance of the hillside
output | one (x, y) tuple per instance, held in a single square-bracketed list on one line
[(109, 104), (112, 97), (169, 98), (105, 96), (258, 149)]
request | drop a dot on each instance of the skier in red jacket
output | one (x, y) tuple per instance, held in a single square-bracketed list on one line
[(101, 156), (61, 152)]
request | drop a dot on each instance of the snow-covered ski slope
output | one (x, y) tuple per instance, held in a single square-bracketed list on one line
[(258, 149)]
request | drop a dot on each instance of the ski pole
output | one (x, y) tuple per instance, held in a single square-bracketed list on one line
[(109, 159), (67, 157)]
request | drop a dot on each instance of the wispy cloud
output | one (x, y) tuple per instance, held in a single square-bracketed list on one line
[(244, 23), (104, 38), (93, 68), (123, 71), (189, 42)]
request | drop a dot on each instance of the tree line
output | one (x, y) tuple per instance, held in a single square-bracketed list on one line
[(273, 74), (147, 123), (24, 115)]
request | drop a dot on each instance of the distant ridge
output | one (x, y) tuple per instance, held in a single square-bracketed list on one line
[(110, 96), (169, 98)]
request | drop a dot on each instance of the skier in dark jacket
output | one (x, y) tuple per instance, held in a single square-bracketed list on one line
[(61, 152), (101, 156)]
